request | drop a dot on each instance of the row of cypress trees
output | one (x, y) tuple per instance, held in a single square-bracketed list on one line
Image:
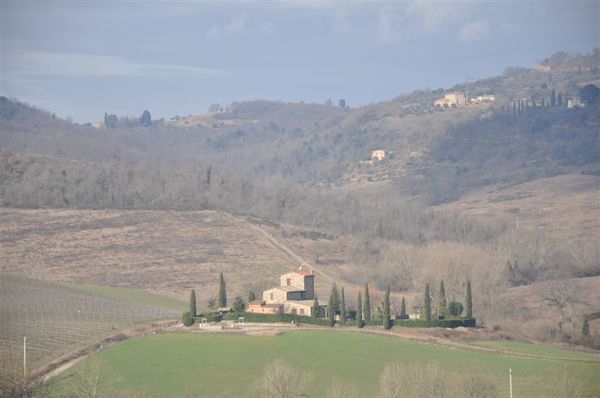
[(442, 304), (222, 297)]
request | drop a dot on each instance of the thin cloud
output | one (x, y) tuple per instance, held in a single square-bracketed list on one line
[(238, 26), (73, 64), (473, 31)]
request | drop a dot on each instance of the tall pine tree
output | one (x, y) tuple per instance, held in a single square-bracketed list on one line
[(222, 292), (359, 313), (403, 308), (367, 307), (553, 98), (315, 307), (469, 301), (442, 300), (386, 309), (193, 303), (343, 308), (427, 303), (331, 311), (336, 298), (251, 297)]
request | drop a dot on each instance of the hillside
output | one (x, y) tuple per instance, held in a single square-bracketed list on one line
[(57, 319), (164, 252), (166, 207)]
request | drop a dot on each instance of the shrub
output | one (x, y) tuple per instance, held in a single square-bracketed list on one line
[(455, 308), (186, 319), (272, 318)]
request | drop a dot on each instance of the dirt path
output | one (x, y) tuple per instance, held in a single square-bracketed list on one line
[(283, 247)]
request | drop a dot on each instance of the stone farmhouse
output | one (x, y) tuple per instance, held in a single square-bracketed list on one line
[(294, 295), (453, 98)]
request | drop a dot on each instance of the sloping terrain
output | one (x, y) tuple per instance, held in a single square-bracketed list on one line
[(160, 251), (56, 319), (565, 206)]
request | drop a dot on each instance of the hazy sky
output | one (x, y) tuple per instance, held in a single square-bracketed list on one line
[(82, 59)]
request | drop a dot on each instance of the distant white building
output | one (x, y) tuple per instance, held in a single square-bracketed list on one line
[(379, 154), (575, 102)]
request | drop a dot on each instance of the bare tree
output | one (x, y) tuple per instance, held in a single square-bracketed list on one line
[(280, 380), (392, 381), (477, 386), (340, 389), (92, 380), (559, 295)]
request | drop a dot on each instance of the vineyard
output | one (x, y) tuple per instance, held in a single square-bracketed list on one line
[(57, 319)]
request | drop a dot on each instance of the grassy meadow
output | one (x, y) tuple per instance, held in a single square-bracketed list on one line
[(219, 365)]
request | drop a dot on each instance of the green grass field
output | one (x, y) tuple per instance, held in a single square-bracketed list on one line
[(215, 365), (132, 296), (537, 349)]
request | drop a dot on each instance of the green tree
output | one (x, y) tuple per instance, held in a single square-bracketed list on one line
[(367, 306), (559, 99), (343, 308), (585, 330), (359, 312), (239, 305), (427, 303), (589, 94), (553, 98), (455, 308), (186, 319), (315, 307), (222, 298), (336, 298), (386, 309), (442, 300), (146, 119), (331, 311), (251, 297), (403, 308), (469, 301), (193, 303), (342, 103)]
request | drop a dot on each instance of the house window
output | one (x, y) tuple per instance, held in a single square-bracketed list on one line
[(289, 282), (271, 296), (301, 311)]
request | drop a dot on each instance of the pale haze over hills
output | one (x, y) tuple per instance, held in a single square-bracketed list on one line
[(84, 59)]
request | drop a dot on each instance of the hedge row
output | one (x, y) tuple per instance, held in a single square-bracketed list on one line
[(272, 318), (435, 323)]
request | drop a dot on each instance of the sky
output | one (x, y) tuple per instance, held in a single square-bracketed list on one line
[(82, 59)]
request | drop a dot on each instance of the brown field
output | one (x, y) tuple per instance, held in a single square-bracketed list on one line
[(566, 206), (165, 252)]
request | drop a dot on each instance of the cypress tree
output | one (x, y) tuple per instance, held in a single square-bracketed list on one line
[(386, 309), (553, 98), (251, 297), (585, 331), (359, 312), (222, 292), (427, 303), (315, 307), (343, 308), (336, 297), (331, 311), (442, 300), (403, 308), (367, 307), (193, 303), (559, 99), (469, 301)]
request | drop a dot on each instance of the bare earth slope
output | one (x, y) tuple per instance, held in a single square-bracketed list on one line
[(161, 251), (565, 206)]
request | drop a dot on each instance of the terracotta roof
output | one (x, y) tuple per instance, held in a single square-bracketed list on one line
[(305, 273), (289, 289)]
